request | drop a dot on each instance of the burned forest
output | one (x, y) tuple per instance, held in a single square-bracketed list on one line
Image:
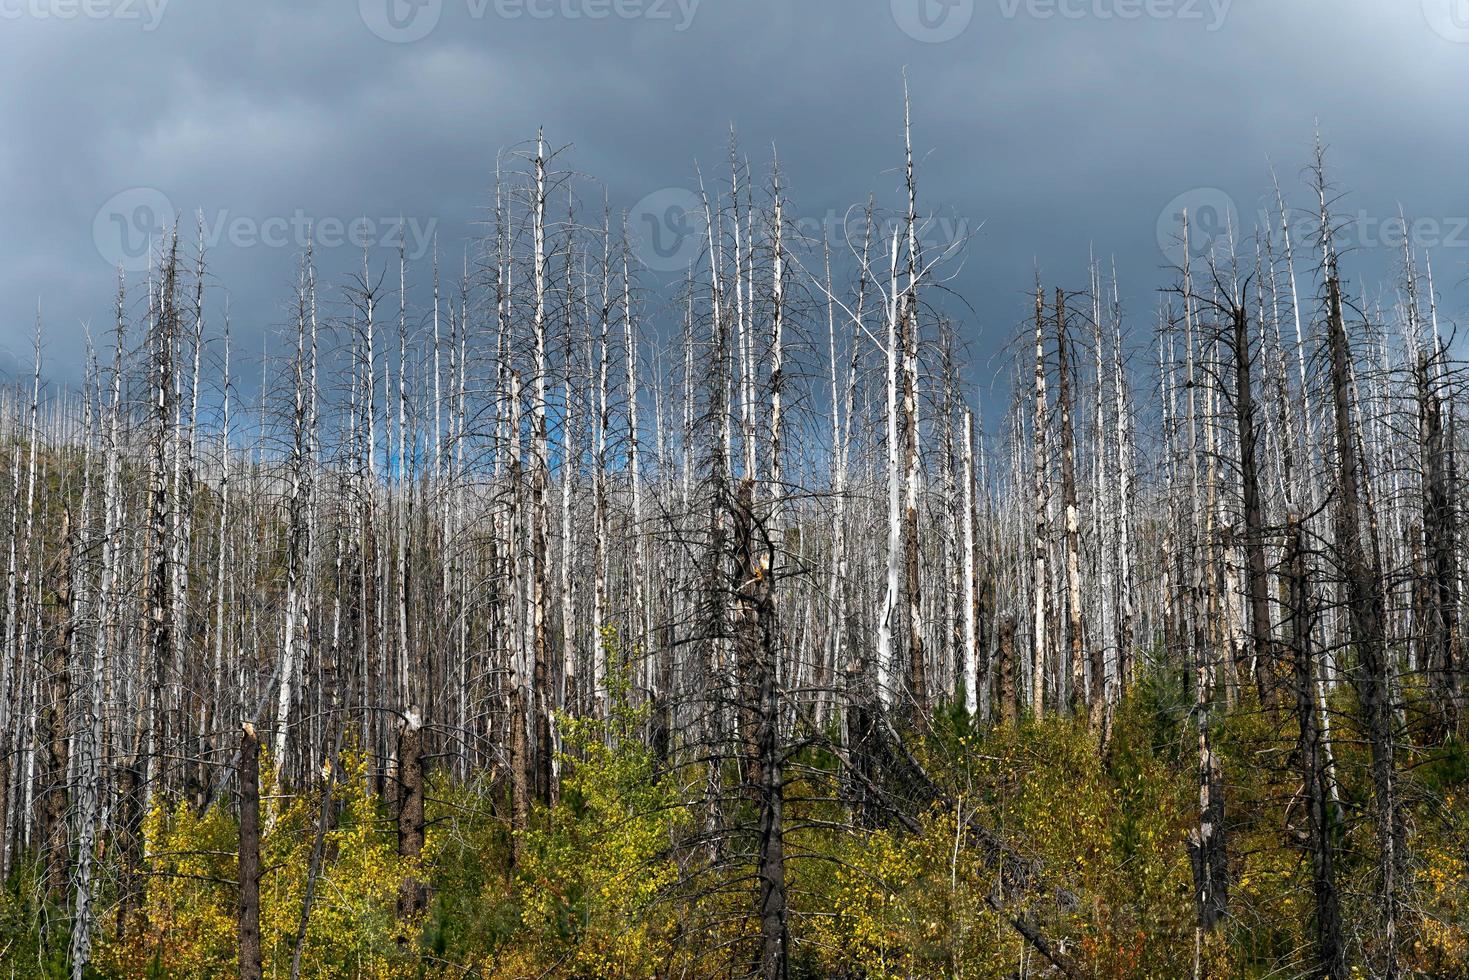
[(525, 611)]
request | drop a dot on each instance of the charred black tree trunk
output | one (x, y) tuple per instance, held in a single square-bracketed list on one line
[(749, 643), (755, 555), (1440, 599), (249, 870), (1072, 529), (662, 723), (1331, 961), (859, 734), (1262, 645), (412, 896), (917, 665), (1006, 655), (55, 797), (1361, 569), (1207, 849)]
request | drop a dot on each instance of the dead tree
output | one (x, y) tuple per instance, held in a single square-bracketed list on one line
[(249, 866), (1262, 644), (57, 739), (1356, 551), (1076, 642), (1331, 956), (412, 894), (1440, 536), (1040, 542), (754, 559), (1006, 656)]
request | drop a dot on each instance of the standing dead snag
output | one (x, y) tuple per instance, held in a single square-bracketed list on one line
[(516, 652), (759, 652), (56, 795), (298, 530), (542, 750), (1207, 848), (249, 868), (1362, 570), (413, 895), (1040, 543), (909, 328), (1440, 603), (1254, 544), (754, 571), (1331, 959), (1006, 643), (1123, 537), (969, 658), (1076, 643)]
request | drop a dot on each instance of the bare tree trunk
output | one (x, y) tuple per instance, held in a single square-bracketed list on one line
[(1006, 655), (970, 600), (754, 553), (57, 796), (515, 678), (640, 625), (1263, 646), (1076, 641), (1040, 544), (1373, 675), (1206, 841), (540, 698), (93, 746), (1440, 536), (908, 324), (888, 616), (1331, 960), (1124, 505), (413, 894), (297, 532), (249, 868)]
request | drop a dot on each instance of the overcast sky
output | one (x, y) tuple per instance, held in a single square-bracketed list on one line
[(1047, 128)]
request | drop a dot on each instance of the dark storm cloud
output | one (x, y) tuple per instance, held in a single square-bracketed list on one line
[(1048, 128)]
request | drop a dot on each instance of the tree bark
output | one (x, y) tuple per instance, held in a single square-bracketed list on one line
[(1373, 673), (413, 894), (1262, 645), (1331, 960), (57, 739), (249, 868), (1040, 543), (1007, 695)]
